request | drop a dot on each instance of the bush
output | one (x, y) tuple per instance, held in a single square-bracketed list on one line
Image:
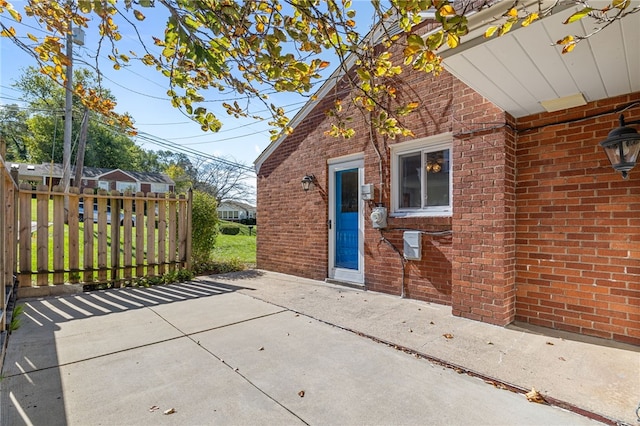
[(229, 229), (219, 266), (204, 226)]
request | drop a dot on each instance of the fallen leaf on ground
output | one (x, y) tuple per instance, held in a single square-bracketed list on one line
[(534, 396), (301, 394), (169, 411), (448, 336)]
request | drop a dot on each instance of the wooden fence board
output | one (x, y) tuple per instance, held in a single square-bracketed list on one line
[(115, 237), (151, 233), (102, 236), (173, 229), (182, 230), (74, 239), (162, 234), (42, 205), (139, 205), (58, 235), (25, 235), (128, 240), (87, 201)]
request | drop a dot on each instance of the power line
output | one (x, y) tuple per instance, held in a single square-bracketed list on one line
[(198, 154)]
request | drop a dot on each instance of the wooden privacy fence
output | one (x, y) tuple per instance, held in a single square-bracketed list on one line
[(106, 237), (8, 241)]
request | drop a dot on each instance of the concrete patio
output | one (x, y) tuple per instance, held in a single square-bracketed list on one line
[(265, 348)]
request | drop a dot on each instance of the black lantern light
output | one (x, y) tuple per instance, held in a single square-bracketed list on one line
[(622, 147), (307, 181)]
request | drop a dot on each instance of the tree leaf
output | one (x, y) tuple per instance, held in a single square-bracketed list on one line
[(15, 15), (578, 15), (447, 10), (415, 40), (490, 31), (532, 17), (453, 40), (566, 40)]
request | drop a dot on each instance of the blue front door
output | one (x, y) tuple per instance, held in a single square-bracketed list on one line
[(346, 214)]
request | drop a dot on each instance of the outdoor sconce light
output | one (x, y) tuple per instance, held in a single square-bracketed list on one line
[(622, 147), (307, 181)]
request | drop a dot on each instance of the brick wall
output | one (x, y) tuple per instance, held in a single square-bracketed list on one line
[(544, 231), (293, 232), (578, 225), (483, 213)]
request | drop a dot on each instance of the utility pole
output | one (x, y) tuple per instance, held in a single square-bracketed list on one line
[(68, 113), (82, 144)]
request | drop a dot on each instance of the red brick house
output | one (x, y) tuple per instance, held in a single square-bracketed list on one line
[(503, 205), (94, 177)]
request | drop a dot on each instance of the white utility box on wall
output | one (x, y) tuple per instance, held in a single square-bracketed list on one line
[(412, 245), (366, 191)]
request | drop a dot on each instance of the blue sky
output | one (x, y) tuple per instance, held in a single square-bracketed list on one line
[(141, 91)]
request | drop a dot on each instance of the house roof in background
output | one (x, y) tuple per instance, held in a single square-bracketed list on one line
[(239, 205), (55, 170)]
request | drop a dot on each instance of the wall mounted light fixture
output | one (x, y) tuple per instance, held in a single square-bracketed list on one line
[(622, 147), (307, 180)]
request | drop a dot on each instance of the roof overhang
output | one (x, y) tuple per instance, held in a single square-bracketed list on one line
[(524, 72)]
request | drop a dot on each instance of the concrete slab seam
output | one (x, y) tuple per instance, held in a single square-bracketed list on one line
[(498, 383), (226, 364), (95, 357), (220, 326)]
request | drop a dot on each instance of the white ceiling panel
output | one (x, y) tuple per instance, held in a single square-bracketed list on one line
[(522, 68), (467, 72)]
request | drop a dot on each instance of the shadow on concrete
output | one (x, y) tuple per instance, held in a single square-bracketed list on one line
[(33, 363), (236, 276), (567, 335)]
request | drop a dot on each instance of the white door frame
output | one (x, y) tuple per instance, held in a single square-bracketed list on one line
[(343, 274)]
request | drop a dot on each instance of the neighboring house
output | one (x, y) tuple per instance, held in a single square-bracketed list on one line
[(93, 177), (513, 210), (236, 211)]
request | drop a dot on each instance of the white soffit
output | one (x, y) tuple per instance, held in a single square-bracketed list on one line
[(524, 68)]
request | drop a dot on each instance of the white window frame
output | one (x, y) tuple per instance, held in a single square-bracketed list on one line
[(422, 145), (122, 186), (159, 188)]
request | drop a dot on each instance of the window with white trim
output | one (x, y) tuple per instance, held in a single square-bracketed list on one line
[(421, 179)]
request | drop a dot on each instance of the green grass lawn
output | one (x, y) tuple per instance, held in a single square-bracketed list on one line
[(241, 246)]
